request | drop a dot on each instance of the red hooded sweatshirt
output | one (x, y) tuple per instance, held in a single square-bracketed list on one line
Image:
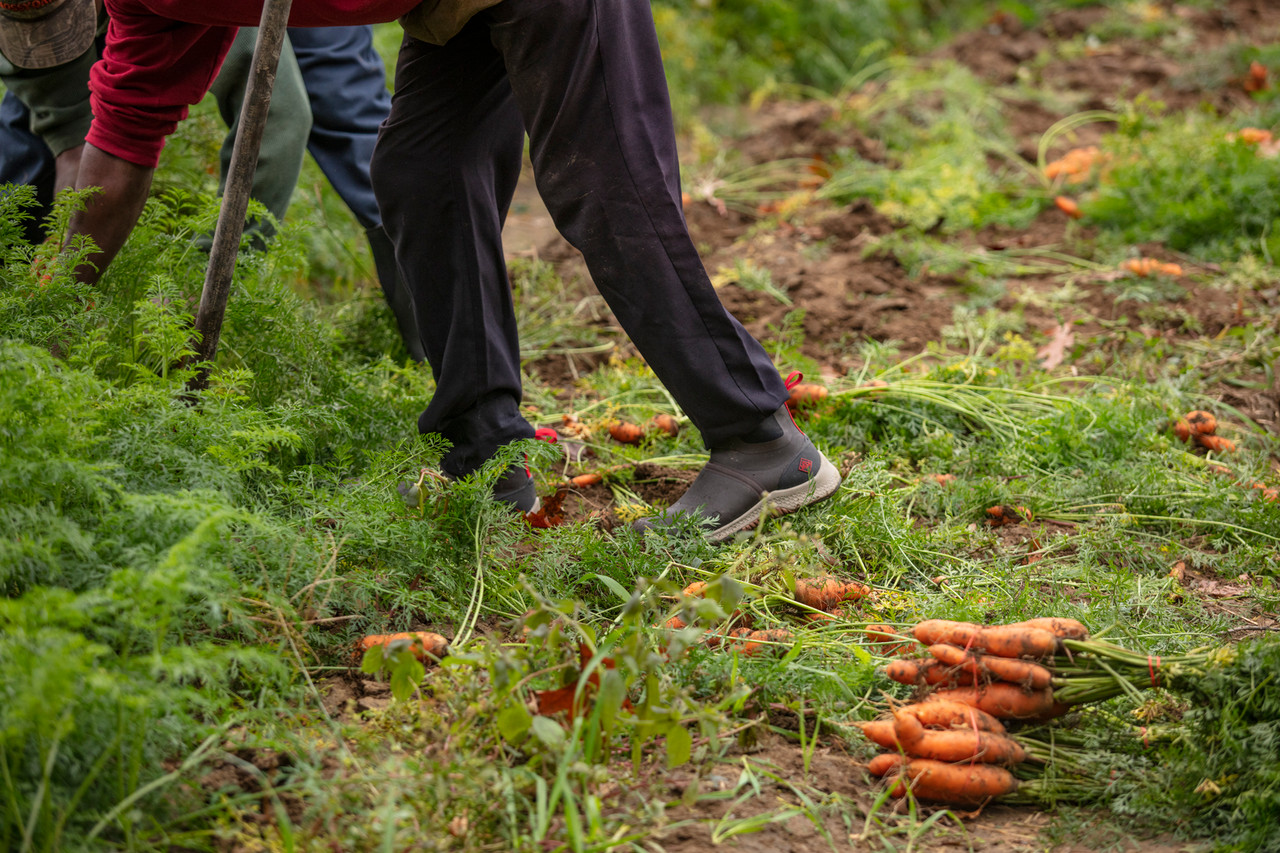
[(162, 55)]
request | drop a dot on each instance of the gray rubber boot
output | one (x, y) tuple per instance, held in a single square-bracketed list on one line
[(516, 487), (748, 478), (395, 291)]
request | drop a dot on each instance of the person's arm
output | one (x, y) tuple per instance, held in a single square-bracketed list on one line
[(152, 68), (66, 168), (109, 216)]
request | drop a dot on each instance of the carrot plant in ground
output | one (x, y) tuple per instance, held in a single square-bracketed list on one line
[(722, 52), (942, 129), (1202, 185)]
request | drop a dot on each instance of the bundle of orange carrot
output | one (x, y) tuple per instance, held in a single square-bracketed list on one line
[(992, 667), (974, 677), (944, 751)]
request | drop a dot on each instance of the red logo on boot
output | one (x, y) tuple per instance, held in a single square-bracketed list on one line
[(806, 465)]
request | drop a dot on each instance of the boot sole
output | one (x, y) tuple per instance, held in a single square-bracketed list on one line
[(783, 501)]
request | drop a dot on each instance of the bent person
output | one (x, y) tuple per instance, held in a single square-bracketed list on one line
[(584, 78)]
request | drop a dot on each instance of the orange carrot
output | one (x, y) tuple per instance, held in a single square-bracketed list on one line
[(1202, 422), (805, 394), (818, 617), (935, 713), (1063, 629), (879, 732), (1216, 443), (885, 640), (726, 640), (665, 423), (923, 671), (767, 640), (1001, 700), (626, 433), (908, 670), (584, 480), (1068, 206), (884, 762), (999, 516), (1014, 671), (826, 593), (675, 623), (1010, 641), (1256, 78), (426, 646), (1182, 429), (960, 784), (956, 744), (697, 589)]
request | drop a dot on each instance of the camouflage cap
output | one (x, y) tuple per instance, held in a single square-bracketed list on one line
[(44, 33)]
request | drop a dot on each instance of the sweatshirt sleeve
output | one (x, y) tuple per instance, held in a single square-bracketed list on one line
[(152, 70)]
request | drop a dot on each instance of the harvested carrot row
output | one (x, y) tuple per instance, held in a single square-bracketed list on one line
[(1014, 671), (1010, 641), (826, 593), (956, 744), (962, 784), (1002, 700)]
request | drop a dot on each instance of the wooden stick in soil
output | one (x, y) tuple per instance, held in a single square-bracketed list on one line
[(235, 201)]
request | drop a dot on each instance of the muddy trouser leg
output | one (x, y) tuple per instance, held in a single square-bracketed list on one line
[(589, 80), (444, 171)]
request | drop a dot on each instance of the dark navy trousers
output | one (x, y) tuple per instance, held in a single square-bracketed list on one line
[(585, 78), (346, 84), (25, 159)]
